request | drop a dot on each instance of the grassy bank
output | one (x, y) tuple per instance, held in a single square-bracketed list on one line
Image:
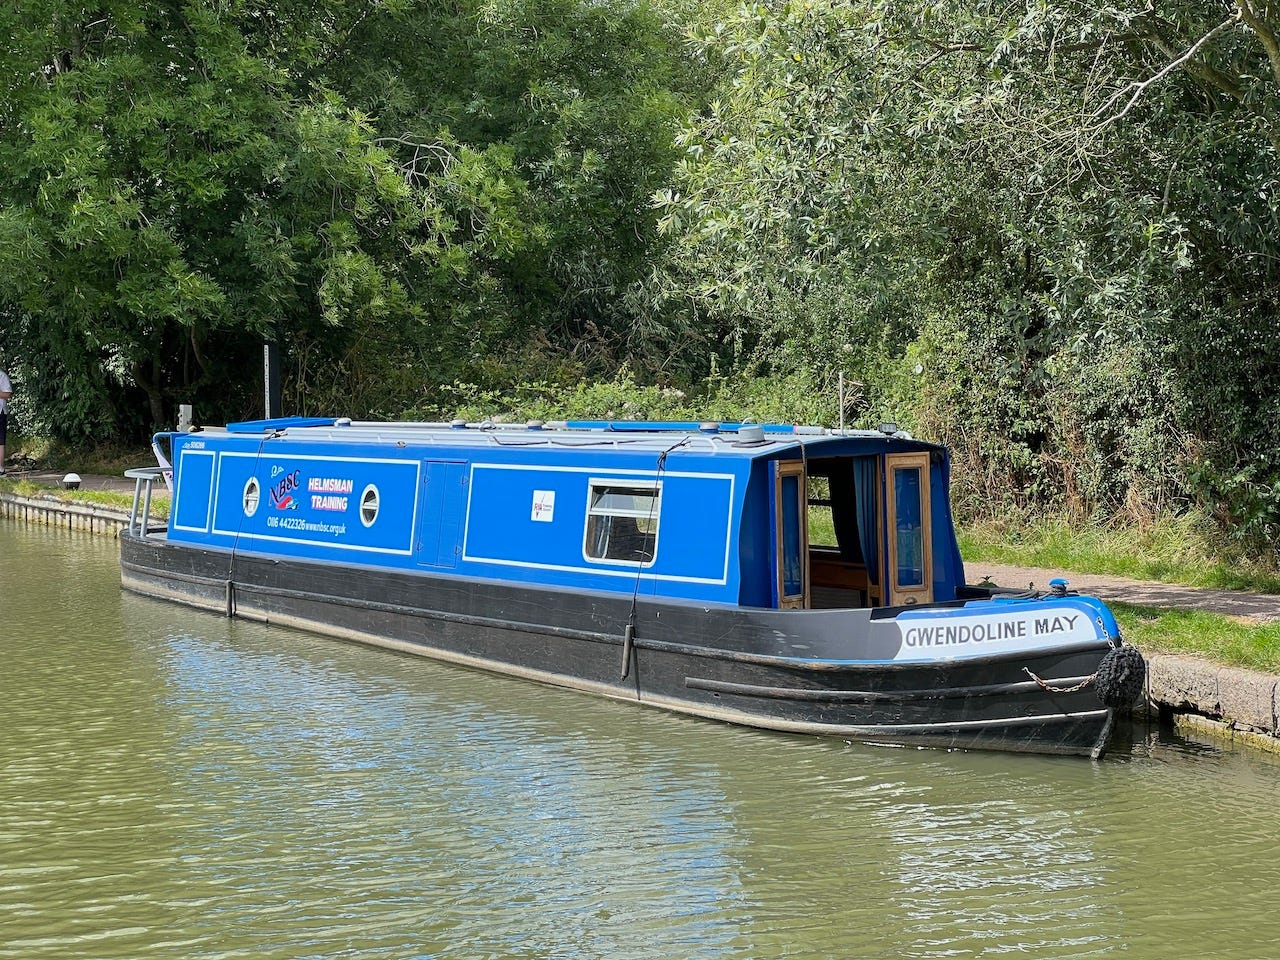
[(110, 460), (1183, 549), (1197, 633), (96, 498)]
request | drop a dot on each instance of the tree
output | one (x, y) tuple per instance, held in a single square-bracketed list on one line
[(168, 202), (404, 193), (539, 129)]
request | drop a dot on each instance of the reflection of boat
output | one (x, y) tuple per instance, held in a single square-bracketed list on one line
[(793, 578)]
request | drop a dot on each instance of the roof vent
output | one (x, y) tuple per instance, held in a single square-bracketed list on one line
[(750, 435), (457, 424), (534, 424), (709, 426)]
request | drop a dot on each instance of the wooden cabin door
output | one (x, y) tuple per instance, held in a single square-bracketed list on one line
[(791, 533), (910, 578)]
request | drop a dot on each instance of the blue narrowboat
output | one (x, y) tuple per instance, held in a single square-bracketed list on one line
[(795, 578)]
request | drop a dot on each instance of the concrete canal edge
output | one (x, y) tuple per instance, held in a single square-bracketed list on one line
[(1206, 699), (67, 515), (1223, 703)]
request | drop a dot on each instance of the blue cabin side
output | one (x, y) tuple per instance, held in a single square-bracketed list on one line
[(595, 519), (711, 520)]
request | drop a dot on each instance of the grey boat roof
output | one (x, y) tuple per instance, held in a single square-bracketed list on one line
[(741, 439)]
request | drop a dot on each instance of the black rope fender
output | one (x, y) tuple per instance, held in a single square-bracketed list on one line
[(1121, 676), (1119, 679)]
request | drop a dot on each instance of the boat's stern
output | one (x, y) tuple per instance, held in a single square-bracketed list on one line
[(1059, 657)]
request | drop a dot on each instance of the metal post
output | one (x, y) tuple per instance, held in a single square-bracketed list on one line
[(146, 510), (133, 511), (272, 402), (842, 401)]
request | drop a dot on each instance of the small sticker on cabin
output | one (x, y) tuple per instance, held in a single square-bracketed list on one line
[(544, 505)]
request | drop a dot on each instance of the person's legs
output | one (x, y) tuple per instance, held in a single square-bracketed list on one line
[(4, 425)]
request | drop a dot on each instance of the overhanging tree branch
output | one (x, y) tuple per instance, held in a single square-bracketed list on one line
[(1137, 88)]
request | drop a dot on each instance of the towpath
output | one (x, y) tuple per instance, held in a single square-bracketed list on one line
[(1260, 607)]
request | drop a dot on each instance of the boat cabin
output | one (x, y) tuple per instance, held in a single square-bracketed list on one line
[(748, 515), (862, 520)]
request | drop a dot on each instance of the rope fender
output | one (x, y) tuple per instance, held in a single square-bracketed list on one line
[(1118, 681), (1120, 678)]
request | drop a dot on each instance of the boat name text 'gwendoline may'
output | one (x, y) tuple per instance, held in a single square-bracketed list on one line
[(942, 636)]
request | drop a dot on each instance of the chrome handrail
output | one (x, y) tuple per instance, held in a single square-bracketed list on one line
[(144, 479)]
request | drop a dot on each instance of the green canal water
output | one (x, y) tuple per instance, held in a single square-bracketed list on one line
[(174, 785)]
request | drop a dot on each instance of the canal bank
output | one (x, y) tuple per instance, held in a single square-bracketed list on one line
[(53, 512), (1222, 702), (54, 506)]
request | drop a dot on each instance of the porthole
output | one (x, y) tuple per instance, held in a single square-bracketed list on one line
[(252, 495), (369, 505)]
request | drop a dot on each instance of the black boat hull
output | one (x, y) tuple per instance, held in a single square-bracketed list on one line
[(814, 672)]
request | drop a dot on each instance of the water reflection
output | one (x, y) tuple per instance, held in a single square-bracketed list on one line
[(180, 786), (455, 810)]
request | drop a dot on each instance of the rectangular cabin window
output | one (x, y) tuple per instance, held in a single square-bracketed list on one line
[(910, 542), (909, 527), (622, 521)]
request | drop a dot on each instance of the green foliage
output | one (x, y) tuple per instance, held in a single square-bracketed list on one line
[(537, 129), (1069, 208), (58, 455), (1246, 500), (167, 205), (618, 399), (394, 191), (793, 399), (1035, 423), (972, 383)]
